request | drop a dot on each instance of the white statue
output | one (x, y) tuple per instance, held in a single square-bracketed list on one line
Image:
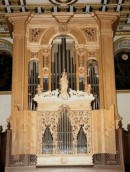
[(64, 86), (64, 83)]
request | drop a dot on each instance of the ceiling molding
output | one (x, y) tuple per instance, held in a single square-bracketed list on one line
[(76, 6)]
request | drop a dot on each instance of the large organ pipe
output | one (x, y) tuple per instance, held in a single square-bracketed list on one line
[(57, 72), (67, 61), (62, 129), (63, 53), (71, 71), (63, 47), (64, 134), (52, 73), (59, 59), (55, 80), (67, 140), (74, 75)]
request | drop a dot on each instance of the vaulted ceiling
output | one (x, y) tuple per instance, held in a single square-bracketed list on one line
[(77, 6)]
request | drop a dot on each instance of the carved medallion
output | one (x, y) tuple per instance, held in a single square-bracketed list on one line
[(45, 72), (81, 71)]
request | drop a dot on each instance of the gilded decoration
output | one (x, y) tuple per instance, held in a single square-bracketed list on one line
[(91, 34)]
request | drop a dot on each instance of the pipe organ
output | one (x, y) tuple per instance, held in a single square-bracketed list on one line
[(66, 108)]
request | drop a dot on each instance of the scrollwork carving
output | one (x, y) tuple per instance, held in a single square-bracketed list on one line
[(78, 119), (45, 57), (91, 34), (35, 34), (81, 56)]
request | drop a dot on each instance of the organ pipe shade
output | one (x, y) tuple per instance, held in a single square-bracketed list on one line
[(63, 58)]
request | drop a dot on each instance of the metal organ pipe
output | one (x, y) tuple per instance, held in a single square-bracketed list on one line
[(64, 61), (63, 53), (33, 81), (59, 60), (55, 57), (92, 78), (71, 71)]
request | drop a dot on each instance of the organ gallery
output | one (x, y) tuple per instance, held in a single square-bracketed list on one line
[(63, 94)]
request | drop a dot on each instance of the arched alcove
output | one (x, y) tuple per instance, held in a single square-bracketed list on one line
[(5, 65), (122, 64)]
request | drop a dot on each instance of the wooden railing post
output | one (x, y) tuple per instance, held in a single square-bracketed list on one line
[(121, 149), (128, 127), (8, 145)]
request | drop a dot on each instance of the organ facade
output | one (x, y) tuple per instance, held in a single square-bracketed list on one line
[(63, 93)]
